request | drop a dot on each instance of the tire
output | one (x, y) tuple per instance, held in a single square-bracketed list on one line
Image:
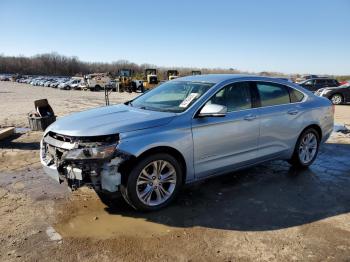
[(97, 88), (145, 191), (300, 158), (337, 99)]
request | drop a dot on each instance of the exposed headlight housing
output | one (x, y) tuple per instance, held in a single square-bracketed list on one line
[(101, 152)]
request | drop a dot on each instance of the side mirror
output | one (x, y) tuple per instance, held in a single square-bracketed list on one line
[(213, 110)]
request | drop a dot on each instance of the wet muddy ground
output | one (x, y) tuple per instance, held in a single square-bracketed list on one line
[(270, 212)]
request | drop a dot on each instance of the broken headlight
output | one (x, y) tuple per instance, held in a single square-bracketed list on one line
[(100, 152)]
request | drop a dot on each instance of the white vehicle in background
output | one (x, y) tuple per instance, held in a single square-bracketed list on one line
[(97, 81), (82, 85), (76, 82), (70, 84), (137, 85)]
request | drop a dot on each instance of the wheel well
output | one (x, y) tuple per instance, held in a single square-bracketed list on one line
[(317, 128), (161, 149), (338, 94)]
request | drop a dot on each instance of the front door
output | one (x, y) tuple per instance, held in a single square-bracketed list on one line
[(221, 143)]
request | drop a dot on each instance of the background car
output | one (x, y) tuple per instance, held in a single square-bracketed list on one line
[(344, 82), (317, 83), (69, 84), (338, 95)]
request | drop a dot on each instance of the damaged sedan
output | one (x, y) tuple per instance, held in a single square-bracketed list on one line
[(183, 131)]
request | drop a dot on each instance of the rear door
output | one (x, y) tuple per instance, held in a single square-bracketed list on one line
[(279, 118)]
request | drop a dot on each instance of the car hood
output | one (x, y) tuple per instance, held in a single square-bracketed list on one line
[(109, 120)]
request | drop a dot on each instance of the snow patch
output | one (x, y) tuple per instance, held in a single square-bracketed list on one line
[(340, 128), (53, 235)]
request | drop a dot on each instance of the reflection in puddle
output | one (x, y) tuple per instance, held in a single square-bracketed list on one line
[(22, 130)]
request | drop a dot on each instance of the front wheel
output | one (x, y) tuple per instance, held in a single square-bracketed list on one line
[(153, 183), (306, 149), (337, 99)]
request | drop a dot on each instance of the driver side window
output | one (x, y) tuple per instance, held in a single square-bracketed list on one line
[(235, 97)]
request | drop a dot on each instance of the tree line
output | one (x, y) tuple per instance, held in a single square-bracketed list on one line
[(54, 64)]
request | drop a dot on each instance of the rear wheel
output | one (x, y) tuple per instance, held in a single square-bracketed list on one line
[(306, 149), (153, 183), (97, 88), (337, 99)]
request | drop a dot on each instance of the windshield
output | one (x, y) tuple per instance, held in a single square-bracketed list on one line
[(173, 96)]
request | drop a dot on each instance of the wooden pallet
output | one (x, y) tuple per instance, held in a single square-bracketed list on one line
[(6, 132)]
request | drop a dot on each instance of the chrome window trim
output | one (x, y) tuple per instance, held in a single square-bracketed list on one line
[(306, 96), (302, 101)]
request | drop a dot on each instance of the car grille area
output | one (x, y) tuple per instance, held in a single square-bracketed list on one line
[(80, 172)]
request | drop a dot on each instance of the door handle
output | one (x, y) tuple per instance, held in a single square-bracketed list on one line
[(293, 112), (250, 117)]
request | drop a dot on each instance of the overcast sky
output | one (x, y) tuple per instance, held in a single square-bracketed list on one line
[(262, 35)]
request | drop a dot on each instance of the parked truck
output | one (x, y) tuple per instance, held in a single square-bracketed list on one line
[(172, 74), (196, 72), (151, 78), (97, 81)]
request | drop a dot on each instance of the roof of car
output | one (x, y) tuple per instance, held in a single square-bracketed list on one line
[(320, 78), (211, 78), (217, 78)]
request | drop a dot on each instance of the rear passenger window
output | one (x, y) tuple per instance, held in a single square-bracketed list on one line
[(320, 81), (331, 82), (273, 94), (295, 95)]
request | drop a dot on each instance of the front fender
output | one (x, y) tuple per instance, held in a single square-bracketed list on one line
[(137, 142)]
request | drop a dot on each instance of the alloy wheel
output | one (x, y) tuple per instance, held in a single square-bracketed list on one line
[(308, 148), (156, 183), (337, 99)]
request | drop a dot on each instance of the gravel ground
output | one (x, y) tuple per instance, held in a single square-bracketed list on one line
[(18, 99), (267, 213)]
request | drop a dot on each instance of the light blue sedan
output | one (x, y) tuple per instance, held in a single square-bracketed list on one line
[(183, 131)]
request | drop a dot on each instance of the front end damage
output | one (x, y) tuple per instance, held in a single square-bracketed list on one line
[(93, 161)]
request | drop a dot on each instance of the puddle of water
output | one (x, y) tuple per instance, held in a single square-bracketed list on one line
[(104, 225), (22, 130), (90, 218)]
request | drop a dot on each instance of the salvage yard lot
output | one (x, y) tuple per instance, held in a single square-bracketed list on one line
[(18, 99), (269, 212)]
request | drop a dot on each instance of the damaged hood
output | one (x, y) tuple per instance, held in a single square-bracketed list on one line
[(109, 120)]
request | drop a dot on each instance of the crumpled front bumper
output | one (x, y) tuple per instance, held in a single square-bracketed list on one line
[(51, 171), (101, 175)]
